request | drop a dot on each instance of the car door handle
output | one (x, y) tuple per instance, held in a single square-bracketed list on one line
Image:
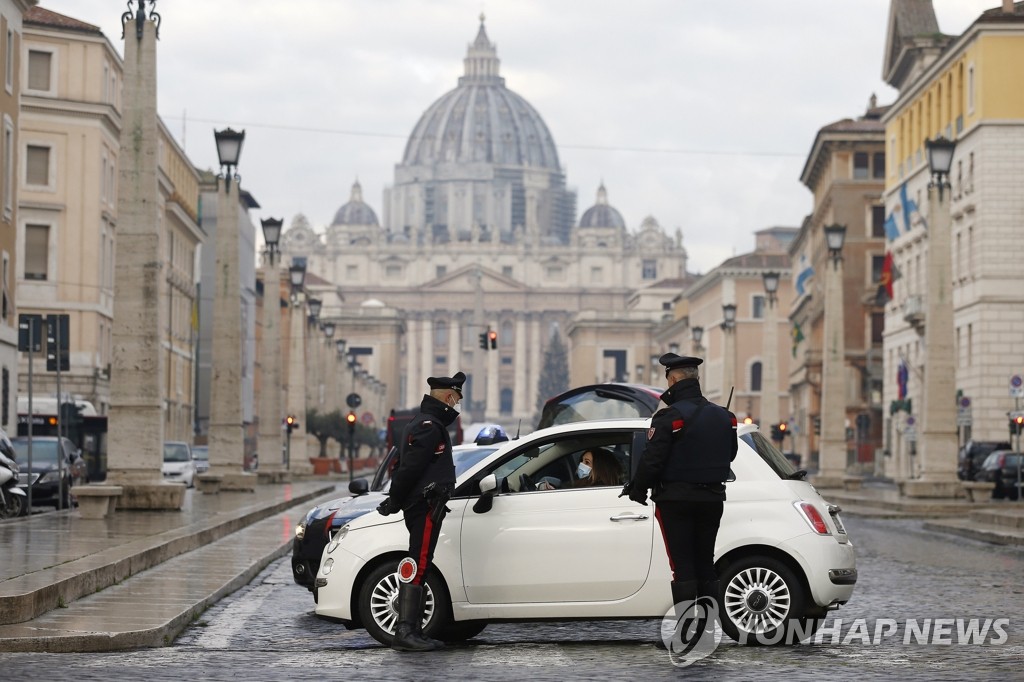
[(629, 517)]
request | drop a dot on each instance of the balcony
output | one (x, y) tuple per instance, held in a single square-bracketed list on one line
[(913, 312)]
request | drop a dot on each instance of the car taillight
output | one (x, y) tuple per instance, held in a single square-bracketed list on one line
[(813, 517)]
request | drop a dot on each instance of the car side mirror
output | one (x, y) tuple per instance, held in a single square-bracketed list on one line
[(488, 485), (358, 487)]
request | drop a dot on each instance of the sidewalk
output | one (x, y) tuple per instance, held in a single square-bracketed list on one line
[(997, 521), (139, 577)]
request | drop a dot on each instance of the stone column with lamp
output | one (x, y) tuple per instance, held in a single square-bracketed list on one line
[(298, 459), (728, 327), (937, 449), (272, 468), (832, 453), (770, 354)]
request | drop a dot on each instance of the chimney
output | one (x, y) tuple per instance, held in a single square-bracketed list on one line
[(1007, 6)]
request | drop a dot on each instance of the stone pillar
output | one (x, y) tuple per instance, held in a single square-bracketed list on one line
[(728, 364), (454, 344), (298, 459), (426, 348), (227, 436), (535, 364), (413, 378), (937, 453), (770, 365), (271, 467), (832, 451), (520, 406), (136, 434)]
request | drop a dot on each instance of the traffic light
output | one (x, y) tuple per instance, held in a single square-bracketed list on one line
[(1016, 423), (492, 337), (291, 423), (483, 341), (351, 419), (783, 428)]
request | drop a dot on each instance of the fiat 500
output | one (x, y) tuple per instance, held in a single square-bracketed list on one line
[(513, 550)]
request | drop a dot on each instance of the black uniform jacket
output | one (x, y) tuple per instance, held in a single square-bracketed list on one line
[(689, 447), (426, 454)]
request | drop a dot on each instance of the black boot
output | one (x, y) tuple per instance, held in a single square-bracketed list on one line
[(438, 644), (410, 615), (711, 589), (682, 592)]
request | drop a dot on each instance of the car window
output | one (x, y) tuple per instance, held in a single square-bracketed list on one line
[(43, 451), (991, 461), (175, 452), (769, 453), (200, 453), (593, 405), (555, 461)]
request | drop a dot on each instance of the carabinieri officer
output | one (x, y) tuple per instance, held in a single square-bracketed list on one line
[(421, 484)]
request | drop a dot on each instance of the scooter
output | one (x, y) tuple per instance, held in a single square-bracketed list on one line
[(13, 501)]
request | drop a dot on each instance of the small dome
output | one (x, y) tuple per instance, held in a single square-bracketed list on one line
[(372, 303), (356, 211), (602, 214)]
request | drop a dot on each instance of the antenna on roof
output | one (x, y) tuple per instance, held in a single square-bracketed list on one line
[(518, 428)]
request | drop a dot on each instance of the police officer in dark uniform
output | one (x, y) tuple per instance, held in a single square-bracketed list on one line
[(689, 448), (421, 484)]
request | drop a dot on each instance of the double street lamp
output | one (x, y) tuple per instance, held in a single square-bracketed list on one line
[(770, 352), (728, 327), (832, 451)]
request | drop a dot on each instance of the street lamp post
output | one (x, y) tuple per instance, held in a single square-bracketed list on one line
[(832, 449), (696, 334), (226, 435), (938, 446), (770, 353), (728, 327), (271, 412), (296, 402)]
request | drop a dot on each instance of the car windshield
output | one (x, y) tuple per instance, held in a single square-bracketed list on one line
[(175, 452), (770, 454), (43, 451), (200, 452), (598, 403), (1012, 461), (463, 458)]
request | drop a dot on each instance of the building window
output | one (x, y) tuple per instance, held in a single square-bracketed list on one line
[(650, 269), (506, 401), (440, 333), (970, 89), (9, 65), (555, 272), (755, 376), (351, 271), (878, 166), (37, 165), (393, 271), (37, 251), (860, 165), (39, 75), (441, 271), (506, 361), (8, 188), (506, 270), (596, 275), (878, 221), (878, 326), (877, 263), (440, 359), (7, 303), (758, 306)]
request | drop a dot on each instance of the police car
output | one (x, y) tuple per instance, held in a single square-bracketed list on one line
[(510, 551)]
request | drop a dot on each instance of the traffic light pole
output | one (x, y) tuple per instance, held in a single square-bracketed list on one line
[(288, 449)]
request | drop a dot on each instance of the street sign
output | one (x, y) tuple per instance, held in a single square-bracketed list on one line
[(965, 403), (30, 325), (1016, 386), (353, 400), (367, 418), (58, 330)]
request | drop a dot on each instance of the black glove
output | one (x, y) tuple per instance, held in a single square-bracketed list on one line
[(639, 496), (387, 507)]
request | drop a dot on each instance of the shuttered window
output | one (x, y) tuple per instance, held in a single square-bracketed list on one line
[(37, 166), (37, 245), (39, 70)]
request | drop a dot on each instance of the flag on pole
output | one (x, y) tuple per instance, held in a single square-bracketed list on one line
[(890, 273), (902, 377), (797, 335)]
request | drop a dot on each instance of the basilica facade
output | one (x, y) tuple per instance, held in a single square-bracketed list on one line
[(479, 233)]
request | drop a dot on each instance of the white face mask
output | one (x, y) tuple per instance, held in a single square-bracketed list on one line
[(583, 470)]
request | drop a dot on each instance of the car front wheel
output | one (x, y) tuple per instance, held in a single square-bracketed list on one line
[(761, 596), (378, 604)]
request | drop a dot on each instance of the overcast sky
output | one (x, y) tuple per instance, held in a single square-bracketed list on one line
[(697, 112)]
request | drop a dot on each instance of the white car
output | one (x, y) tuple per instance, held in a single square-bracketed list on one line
[(179, 464), (510, 552)]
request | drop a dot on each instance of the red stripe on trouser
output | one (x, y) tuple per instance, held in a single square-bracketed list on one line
[(672, 566), (421, 563)]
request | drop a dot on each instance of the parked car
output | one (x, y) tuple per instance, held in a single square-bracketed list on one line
[(1000, 467), (600, 401), (201, 456), (511, 552), (57, 465), (321, 522), (178, 463), (972, 455)]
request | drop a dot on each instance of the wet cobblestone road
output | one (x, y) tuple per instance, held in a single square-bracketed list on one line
[(266, 631)]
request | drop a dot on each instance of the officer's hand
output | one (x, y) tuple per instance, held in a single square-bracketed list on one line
[(386, 507), (638, 496), (626, 489)]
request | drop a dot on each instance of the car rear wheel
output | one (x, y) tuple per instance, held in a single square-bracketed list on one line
[(761, 596), (378, 604)]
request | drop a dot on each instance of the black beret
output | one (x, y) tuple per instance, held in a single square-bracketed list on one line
[(672, 361), (453, 382)]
